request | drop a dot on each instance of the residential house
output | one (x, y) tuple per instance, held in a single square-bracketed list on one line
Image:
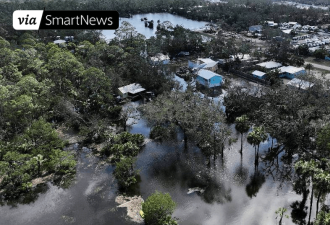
[(258, 74), (130, 90), (255, 28), (205, 63), (300, 84), (269, 65), (209, 78), (291, 72), (160, 58)]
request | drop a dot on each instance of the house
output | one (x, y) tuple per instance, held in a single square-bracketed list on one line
[(255, 28), (160, 58), (58, 42), (259, 74), (300, 84), (209, 78), (291, 72), (205, 63), (130, 90), (269, 65)]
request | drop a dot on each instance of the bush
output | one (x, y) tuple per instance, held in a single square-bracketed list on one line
[(158, 209)]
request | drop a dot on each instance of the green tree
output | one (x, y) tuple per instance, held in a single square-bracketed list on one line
[(281, 212), (158, 209), (242, 125), (125, 173)]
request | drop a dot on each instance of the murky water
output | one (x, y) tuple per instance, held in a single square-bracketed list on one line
[(136, 22), (235, 192)]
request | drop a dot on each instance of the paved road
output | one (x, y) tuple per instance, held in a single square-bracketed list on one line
[(320, 66)]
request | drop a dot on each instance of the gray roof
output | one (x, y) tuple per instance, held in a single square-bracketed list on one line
[(206, 74), (258, 73), (131, 88)]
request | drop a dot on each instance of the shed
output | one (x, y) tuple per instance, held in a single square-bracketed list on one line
[(209, 78), (291, 71), (270, 65), (300, 84), (259, 74), (130, 90)]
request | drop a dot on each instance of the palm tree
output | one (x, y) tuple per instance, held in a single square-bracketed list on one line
[(242, 126), (309, 67), (255, 137)]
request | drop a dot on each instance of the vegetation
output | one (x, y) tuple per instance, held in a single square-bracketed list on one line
[(158, 209)]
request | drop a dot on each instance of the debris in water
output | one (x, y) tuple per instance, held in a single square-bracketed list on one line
[(195, 189), (133, 205)]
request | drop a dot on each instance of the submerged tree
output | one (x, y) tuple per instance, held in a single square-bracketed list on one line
[(242, 125)]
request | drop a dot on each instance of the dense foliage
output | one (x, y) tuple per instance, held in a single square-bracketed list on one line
[(158, 209)]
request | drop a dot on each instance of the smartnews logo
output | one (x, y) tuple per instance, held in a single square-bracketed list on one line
[(41, 19)]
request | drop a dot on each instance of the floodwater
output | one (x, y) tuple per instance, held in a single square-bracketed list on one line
[(136, 22), (235, 192)]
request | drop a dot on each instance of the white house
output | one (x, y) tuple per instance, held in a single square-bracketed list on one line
[(259, 74), (270, 65)]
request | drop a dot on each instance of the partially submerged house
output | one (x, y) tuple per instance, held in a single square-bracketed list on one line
[(299, 84), (259, 74), (203, 63), (291, 72), (208, 78), (131, 90)]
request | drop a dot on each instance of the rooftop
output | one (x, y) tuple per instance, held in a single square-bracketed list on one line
[(270, 65), (302, 84), (206, 74), (258, 73), (131, 88), (290, 69)]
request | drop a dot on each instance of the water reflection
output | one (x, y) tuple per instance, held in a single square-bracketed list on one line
[(136, 22), (256, 181)]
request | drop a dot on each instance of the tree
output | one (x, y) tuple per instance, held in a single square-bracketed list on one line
[(309, 67), (158, 209), (255, 137), (125, 173), (242, 125), (322, 218), (281, 212)]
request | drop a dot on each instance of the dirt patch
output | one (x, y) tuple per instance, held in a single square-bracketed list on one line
[(133, 205)]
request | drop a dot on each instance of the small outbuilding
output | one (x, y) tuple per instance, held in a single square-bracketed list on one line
[(258, 74), (130, 90), (209, 78), (291, 72)]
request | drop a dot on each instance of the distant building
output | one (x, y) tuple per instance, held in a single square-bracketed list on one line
[(160, 58), (209, 78), (269, 65), (291, 72), (58, 42), (130, 90), (255, 28), (300, 84), (259, 74)]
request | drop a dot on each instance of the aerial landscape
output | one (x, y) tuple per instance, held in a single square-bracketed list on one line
[(191, 112)]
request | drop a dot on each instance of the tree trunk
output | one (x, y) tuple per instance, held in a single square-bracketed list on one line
[(317, 202), (185, 138), (311, 204), (241, 143)]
